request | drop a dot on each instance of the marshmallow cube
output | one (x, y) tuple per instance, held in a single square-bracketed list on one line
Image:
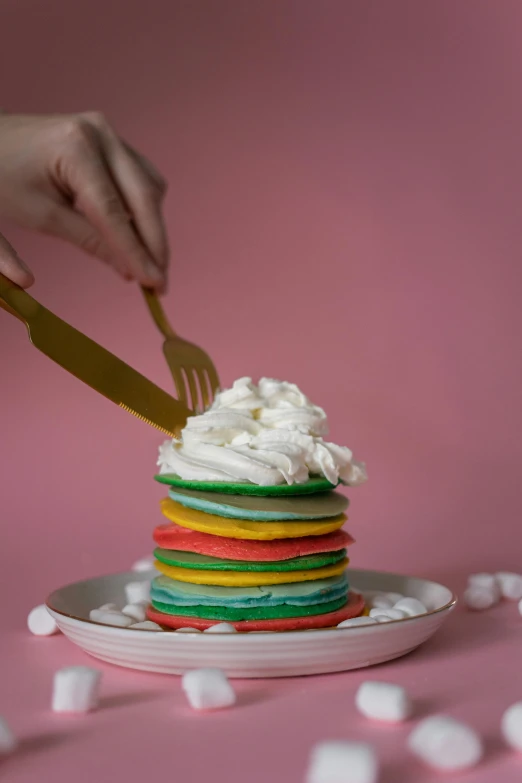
[(40, 622), (383, 701), (444, 743), (109, 608), (145, 564), (381, 616), (354, 621), (220, 628), (510, 585), (137, 611), (396, 614), (208, 689), (488, 583), (511, 726), (392, 614), (75, 689), (137, 591), (343, 762), (187, 630), (381, 601), (394, 597), (479, 598), (411, 607), (147, 625), (110, 617), (8, 741)]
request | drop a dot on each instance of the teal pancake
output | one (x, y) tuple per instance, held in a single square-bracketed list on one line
[(193, 560), (320, 505), (314, 484), (291, 599)]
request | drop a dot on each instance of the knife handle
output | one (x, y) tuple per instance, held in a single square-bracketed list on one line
[(16, 301)]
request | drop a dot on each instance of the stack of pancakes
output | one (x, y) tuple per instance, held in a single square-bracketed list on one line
[(260, 558)]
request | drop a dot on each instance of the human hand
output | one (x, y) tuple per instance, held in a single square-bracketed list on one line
[(72, 177), (12, 266)]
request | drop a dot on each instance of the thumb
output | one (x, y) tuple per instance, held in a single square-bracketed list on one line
[(12, 266)]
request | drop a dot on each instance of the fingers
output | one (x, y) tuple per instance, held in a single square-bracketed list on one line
[(153, 173), (12, 266), (67, 224), (142, 190), (84, 171)]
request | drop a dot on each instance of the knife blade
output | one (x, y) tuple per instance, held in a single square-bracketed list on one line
[(93, 364)]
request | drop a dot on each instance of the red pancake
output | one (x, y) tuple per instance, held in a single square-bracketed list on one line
[(353, 608), (184, 540)]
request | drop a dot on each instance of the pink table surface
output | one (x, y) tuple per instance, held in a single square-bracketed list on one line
[(144, 727), (344, 211)]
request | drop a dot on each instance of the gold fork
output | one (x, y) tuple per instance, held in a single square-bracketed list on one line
[(195, 377)]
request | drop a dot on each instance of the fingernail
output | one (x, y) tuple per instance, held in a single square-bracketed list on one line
[(154, 273), (162, 290), (25, 268)]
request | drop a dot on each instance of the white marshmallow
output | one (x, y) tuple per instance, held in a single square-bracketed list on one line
[(147, 625), (137, 591), (145, 564), (510, 585), (343, 762), (394, 597), (353, 621), (479, 598), (511, 726), (444, 743), (220, 628), (488, 583), (396, 614), (383, 701), (109, 608), (110, 618), (483, 580), (377, 610), (75, 689), (208, 689), (393, 614), (187, 630), (8, 741), (381, 601), (138, 611), (411, 606), (381, 616), (40, 622)]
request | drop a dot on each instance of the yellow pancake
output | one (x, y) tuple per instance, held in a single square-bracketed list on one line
[(248, 578), (245, 528)]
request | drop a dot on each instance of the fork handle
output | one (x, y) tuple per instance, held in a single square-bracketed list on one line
[(158, 313)]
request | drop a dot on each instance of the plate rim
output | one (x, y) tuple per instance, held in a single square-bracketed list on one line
[(448, 606)]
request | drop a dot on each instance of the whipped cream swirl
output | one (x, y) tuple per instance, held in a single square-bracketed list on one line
[(265, 434)]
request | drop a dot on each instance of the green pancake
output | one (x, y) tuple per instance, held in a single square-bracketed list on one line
[(193, 560), (250, 613), (314, 484)]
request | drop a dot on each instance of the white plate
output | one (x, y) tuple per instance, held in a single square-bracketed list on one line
[(253, 654)]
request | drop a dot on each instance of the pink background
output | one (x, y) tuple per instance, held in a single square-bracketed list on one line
[(344, 212)]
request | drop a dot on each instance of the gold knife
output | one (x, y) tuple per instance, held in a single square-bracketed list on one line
[(92, 364)]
